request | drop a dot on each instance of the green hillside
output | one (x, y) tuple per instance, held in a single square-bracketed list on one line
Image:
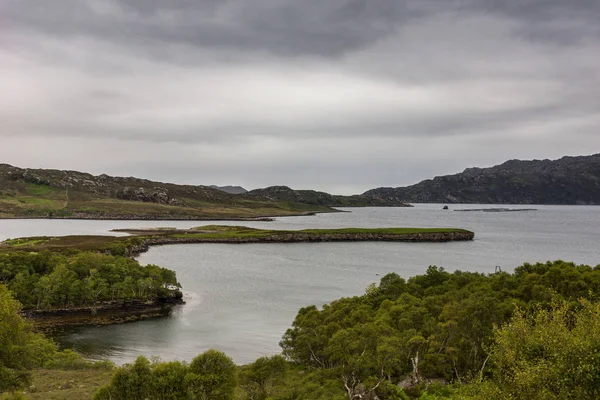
[(30, 193)]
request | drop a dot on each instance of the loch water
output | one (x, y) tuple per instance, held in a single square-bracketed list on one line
[(242, 297)]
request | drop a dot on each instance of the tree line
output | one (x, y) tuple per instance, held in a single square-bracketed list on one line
[(51, 280), (439, 327)]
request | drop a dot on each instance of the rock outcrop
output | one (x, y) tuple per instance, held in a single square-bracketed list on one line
[(102, 314)]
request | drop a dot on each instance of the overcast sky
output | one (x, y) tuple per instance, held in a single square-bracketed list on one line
[(335, 95)]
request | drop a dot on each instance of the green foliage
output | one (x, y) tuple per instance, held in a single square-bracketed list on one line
[(71, 360), (438, 325), (130, 382), (20, 348), (50, 280), (299, 384), (263, 374), (210, 376), (551, 353), (169, 380), (533, 334)]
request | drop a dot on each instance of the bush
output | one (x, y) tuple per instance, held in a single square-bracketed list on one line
[(210, 376)]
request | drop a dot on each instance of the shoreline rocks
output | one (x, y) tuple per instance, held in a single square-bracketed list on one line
[(102, 314)]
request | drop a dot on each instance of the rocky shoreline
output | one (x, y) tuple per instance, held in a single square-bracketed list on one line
[(102, 314)]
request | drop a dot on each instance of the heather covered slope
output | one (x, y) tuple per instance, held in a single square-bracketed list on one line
[(569, 180), (71, 194)]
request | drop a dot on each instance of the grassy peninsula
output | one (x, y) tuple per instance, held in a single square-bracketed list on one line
[(141, 239), (242, 234)]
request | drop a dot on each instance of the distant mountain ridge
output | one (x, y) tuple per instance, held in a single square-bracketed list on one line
[(316, 198), (569, 180), (230, 189)]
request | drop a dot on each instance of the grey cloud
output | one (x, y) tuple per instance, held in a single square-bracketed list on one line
[(290, 28), (272, 91)]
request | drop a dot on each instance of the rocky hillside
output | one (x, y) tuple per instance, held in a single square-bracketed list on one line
[(569, 180), (230, 189), (71, 194), (312, 197)]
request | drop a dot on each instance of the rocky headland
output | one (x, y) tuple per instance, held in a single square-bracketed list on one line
[(569, 180)]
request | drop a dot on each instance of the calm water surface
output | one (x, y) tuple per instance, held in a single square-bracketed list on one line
[(242, 298)]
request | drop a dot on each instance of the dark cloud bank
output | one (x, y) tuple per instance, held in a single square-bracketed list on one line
[(339, 95)]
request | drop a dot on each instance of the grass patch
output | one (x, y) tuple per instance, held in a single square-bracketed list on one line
[(65, 385), (33, 189), (31, 199), (66, 244), (23, 242)]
